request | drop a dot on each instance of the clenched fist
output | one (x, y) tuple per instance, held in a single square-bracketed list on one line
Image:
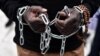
[(31, 16), (68, 24)]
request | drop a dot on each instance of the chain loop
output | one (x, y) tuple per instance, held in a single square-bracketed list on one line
[(45, 36), (20, 13), (62, 50), (45, 40)]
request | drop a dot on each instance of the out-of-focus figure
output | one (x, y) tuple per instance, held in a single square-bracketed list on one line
[(7, 46), (95, 49)]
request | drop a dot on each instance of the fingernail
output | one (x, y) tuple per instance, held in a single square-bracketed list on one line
[(44, 10)]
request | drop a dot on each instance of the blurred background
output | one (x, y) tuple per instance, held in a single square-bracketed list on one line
[(8, 47)]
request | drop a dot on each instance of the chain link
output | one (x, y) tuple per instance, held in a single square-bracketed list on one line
[(46, 36), (62, 50), (45, 40), (20, 13), (66, 10)]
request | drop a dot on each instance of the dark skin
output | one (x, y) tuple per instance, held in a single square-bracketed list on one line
[(34, 21), (68, 24), (65, 24)]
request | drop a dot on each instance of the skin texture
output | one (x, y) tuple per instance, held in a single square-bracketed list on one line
[(31, 16), (24, 52), (68, 24), (65, 24)]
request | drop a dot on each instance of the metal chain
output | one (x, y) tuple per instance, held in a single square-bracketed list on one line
[(63, 37), (21, 39), (62, 50), (45, 37), (20, 13), (66, 10), (45, 41)]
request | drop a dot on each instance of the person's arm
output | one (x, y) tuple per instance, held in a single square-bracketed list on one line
[(31, 15), (71, 23)]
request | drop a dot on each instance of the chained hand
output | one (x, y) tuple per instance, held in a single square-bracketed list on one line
[(31, 16), (68, 22)]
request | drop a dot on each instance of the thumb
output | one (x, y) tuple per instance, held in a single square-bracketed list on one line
[(44, 10)]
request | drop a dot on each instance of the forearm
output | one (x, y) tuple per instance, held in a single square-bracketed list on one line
[(91, 8)]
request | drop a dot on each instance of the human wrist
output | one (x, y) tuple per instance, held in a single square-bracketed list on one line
[(85, 13)]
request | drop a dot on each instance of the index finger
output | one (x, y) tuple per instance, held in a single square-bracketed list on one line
[(38, 9)]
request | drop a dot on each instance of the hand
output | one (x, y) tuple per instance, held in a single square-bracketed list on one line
[(68, 24), (31, 16)]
